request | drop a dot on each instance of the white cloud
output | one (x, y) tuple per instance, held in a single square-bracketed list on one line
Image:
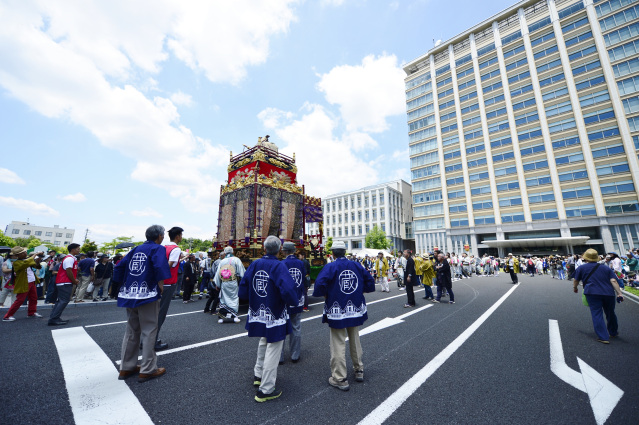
[(181, 99), (332, 2), (340, 168), (10, 177), (146, 212), (401, 155), (29, 206), (76, 197), (63, 62), (366, 94)]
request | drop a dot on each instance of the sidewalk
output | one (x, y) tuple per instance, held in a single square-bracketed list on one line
[(43, 306)]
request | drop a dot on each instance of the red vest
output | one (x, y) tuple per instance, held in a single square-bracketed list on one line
[(175, 269), (61, 278)]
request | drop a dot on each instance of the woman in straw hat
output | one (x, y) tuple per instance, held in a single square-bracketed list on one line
[(600, 286)]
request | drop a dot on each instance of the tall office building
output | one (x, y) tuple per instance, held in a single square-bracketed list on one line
[(349, 216), (524, 131), (55, 235)]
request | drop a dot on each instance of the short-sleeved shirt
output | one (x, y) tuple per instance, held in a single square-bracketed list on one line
[(599, 282), (85, 266)]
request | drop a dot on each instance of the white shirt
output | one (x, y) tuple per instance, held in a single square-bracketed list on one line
[(174, 255), (616, 264), (68, 263), (30, 275)]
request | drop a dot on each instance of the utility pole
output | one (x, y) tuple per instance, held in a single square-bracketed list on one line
[(86, 235)]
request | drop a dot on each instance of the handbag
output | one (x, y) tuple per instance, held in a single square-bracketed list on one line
[(584, 300)]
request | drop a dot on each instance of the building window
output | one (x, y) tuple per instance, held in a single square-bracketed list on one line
[(48, 234), (359, 216), (56, 243), (26, 232), (368, 228), (374, 200), (69, 235), (374, 215), (352, 216), (366, 215), (359, 229), (366, 201), (67, 242), (353, 230), (381, 214), (15, 232), (39, 233)]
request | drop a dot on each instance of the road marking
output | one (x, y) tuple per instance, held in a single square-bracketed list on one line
[(242, 315), (558, 364), (387, 322), (603, 394), (395, 400), (629, 297), (95, 393), (230, 337)]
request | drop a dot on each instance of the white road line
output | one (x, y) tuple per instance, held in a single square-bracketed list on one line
[(230, 337), (168, 315), (558, 362), (410, 313), (387, 322), (629, 298), (392, 403), (95, 393)]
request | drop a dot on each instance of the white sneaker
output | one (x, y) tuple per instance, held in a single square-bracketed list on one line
[(35, 315), (9, 319), (236, 319)]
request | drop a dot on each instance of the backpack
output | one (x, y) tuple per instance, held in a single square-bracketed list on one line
[(530, 262)]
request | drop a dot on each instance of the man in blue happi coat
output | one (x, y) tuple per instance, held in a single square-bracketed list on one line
[(343, 284), (297, 270), (142, 273), (269, 288)]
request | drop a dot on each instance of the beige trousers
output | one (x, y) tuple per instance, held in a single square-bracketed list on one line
[(142, 326), (338, 351), (82, 287), (268, 357)]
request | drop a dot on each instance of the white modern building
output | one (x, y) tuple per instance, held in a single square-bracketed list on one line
[(524, 130), (349, 216), (55, 235)]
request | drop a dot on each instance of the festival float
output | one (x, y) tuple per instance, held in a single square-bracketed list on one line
[(262, 198)]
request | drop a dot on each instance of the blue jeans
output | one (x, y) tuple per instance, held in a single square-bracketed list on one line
[(560, 272), (605, 304), (206, 278), (621, 284), (429, 291)]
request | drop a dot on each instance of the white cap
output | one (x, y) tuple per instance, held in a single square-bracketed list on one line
[(338, 245)]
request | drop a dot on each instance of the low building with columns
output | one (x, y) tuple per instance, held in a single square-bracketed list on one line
[(524, 130)]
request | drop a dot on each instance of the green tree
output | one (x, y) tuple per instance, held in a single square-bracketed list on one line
[(328, 244), (110, 246), (6, 240), (29, 243), (376, 239), (58, 249), (89, 246)]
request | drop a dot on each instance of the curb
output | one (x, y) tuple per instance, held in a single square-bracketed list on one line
[(629, 295)]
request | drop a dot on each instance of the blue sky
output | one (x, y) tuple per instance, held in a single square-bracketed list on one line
[(117, 115)]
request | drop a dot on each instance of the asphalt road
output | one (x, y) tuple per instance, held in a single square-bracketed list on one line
[(498, 374)]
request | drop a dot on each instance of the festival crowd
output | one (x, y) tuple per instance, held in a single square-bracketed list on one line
[(150, 275)]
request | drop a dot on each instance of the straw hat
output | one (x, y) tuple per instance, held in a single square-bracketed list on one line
[(591, 256), (17, 250)]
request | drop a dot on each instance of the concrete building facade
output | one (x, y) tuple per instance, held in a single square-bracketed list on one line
[(349, 216), (55, 235), (524, 130)]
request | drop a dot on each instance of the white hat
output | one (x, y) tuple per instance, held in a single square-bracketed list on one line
[(338, 245)]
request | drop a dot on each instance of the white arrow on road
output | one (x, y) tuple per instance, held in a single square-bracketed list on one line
[(603, 394), (387, 322)]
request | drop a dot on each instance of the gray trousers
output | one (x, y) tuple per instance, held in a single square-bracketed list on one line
[(338, 351), (268, 354), (6, 292), (141, 326), (165, 302), (104, 284), (295, 338), (64, 296)]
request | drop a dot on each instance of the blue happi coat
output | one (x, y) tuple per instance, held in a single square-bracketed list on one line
[(297, 270), (269, 288), (140, 271), (343, 283)]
